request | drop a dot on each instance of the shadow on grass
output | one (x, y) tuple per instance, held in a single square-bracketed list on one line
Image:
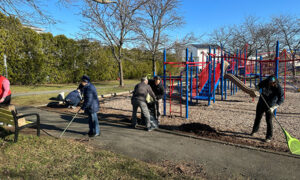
[(4, 133)]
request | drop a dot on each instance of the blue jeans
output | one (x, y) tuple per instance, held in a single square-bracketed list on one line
[(93, 123)]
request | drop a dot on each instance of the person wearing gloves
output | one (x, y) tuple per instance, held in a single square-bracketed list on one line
[(273, 93), (90, 105), (138, 99)]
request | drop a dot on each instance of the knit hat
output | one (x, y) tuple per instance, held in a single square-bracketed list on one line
[(85, 78)]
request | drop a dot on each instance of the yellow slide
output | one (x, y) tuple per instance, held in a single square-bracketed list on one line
[(241, 85)]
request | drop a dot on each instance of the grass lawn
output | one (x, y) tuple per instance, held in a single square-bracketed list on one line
[(50, 87), (49, 158), (32, 100)]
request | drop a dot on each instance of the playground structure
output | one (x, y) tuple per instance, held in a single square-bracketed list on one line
[(201, 80)]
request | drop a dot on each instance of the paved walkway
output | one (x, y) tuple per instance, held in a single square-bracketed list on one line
[(59, 91), (220, 161)]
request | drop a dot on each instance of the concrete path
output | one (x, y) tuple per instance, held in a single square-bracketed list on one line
[(219, 160), (59, 91)]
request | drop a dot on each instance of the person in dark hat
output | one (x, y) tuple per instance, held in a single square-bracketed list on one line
[(273, 93), (159, 91), (90, 105)]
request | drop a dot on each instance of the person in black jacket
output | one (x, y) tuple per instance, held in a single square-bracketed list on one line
[(139, 100), (159, 91), (273, 93), (90, 105)]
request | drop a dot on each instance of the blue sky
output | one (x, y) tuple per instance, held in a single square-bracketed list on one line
[(201, 16)]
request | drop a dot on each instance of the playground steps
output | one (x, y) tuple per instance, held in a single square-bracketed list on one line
[(203, 95)]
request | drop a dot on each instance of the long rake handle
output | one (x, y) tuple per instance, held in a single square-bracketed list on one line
[(69, 124)]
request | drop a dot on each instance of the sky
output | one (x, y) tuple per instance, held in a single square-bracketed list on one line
[(201, 16)]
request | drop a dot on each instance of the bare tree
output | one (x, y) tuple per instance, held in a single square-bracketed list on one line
[(221, 36), (267, 34), (114, 24), (160, 16), (289, 32), (180, 45), (28, 11)]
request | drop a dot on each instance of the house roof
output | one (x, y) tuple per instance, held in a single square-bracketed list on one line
[(204, 46)]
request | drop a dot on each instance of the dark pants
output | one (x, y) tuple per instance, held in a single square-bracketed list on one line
[(6, 101), (260, 110)]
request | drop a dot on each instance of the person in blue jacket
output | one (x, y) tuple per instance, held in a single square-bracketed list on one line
[(73, 98), (90, 105)]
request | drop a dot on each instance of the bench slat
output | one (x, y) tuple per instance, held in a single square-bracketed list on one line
[(5, 111), (4, 115), (7, 121)]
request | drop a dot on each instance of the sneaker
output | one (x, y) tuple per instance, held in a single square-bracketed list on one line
[(94, 135), (267, 140), (150, 129)]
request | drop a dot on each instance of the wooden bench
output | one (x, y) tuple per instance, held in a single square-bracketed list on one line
[(10, 116)]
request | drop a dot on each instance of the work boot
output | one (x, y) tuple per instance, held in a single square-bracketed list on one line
[(133, 126)]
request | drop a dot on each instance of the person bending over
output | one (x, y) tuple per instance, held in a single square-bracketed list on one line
[(139, 100)]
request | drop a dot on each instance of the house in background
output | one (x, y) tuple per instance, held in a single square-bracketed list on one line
[(200, 51)]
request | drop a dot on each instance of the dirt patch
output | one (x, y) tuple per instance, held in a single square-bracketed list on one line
[(198, 129), (183, 168)]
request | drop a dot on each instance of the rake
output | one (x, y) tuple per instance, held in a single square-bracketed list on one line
[(69, 124), (293, 143)]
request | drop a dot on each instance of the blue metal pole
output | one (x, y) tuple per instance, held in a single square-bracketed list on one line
[(197, 81), (191, 79), (214, 76), (187, 85), (277, 59), (209, 75), (165, 85)]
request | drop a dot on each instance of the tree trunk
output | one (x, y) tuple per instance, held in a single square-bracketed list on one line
[(121, 74), (153, 65)]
